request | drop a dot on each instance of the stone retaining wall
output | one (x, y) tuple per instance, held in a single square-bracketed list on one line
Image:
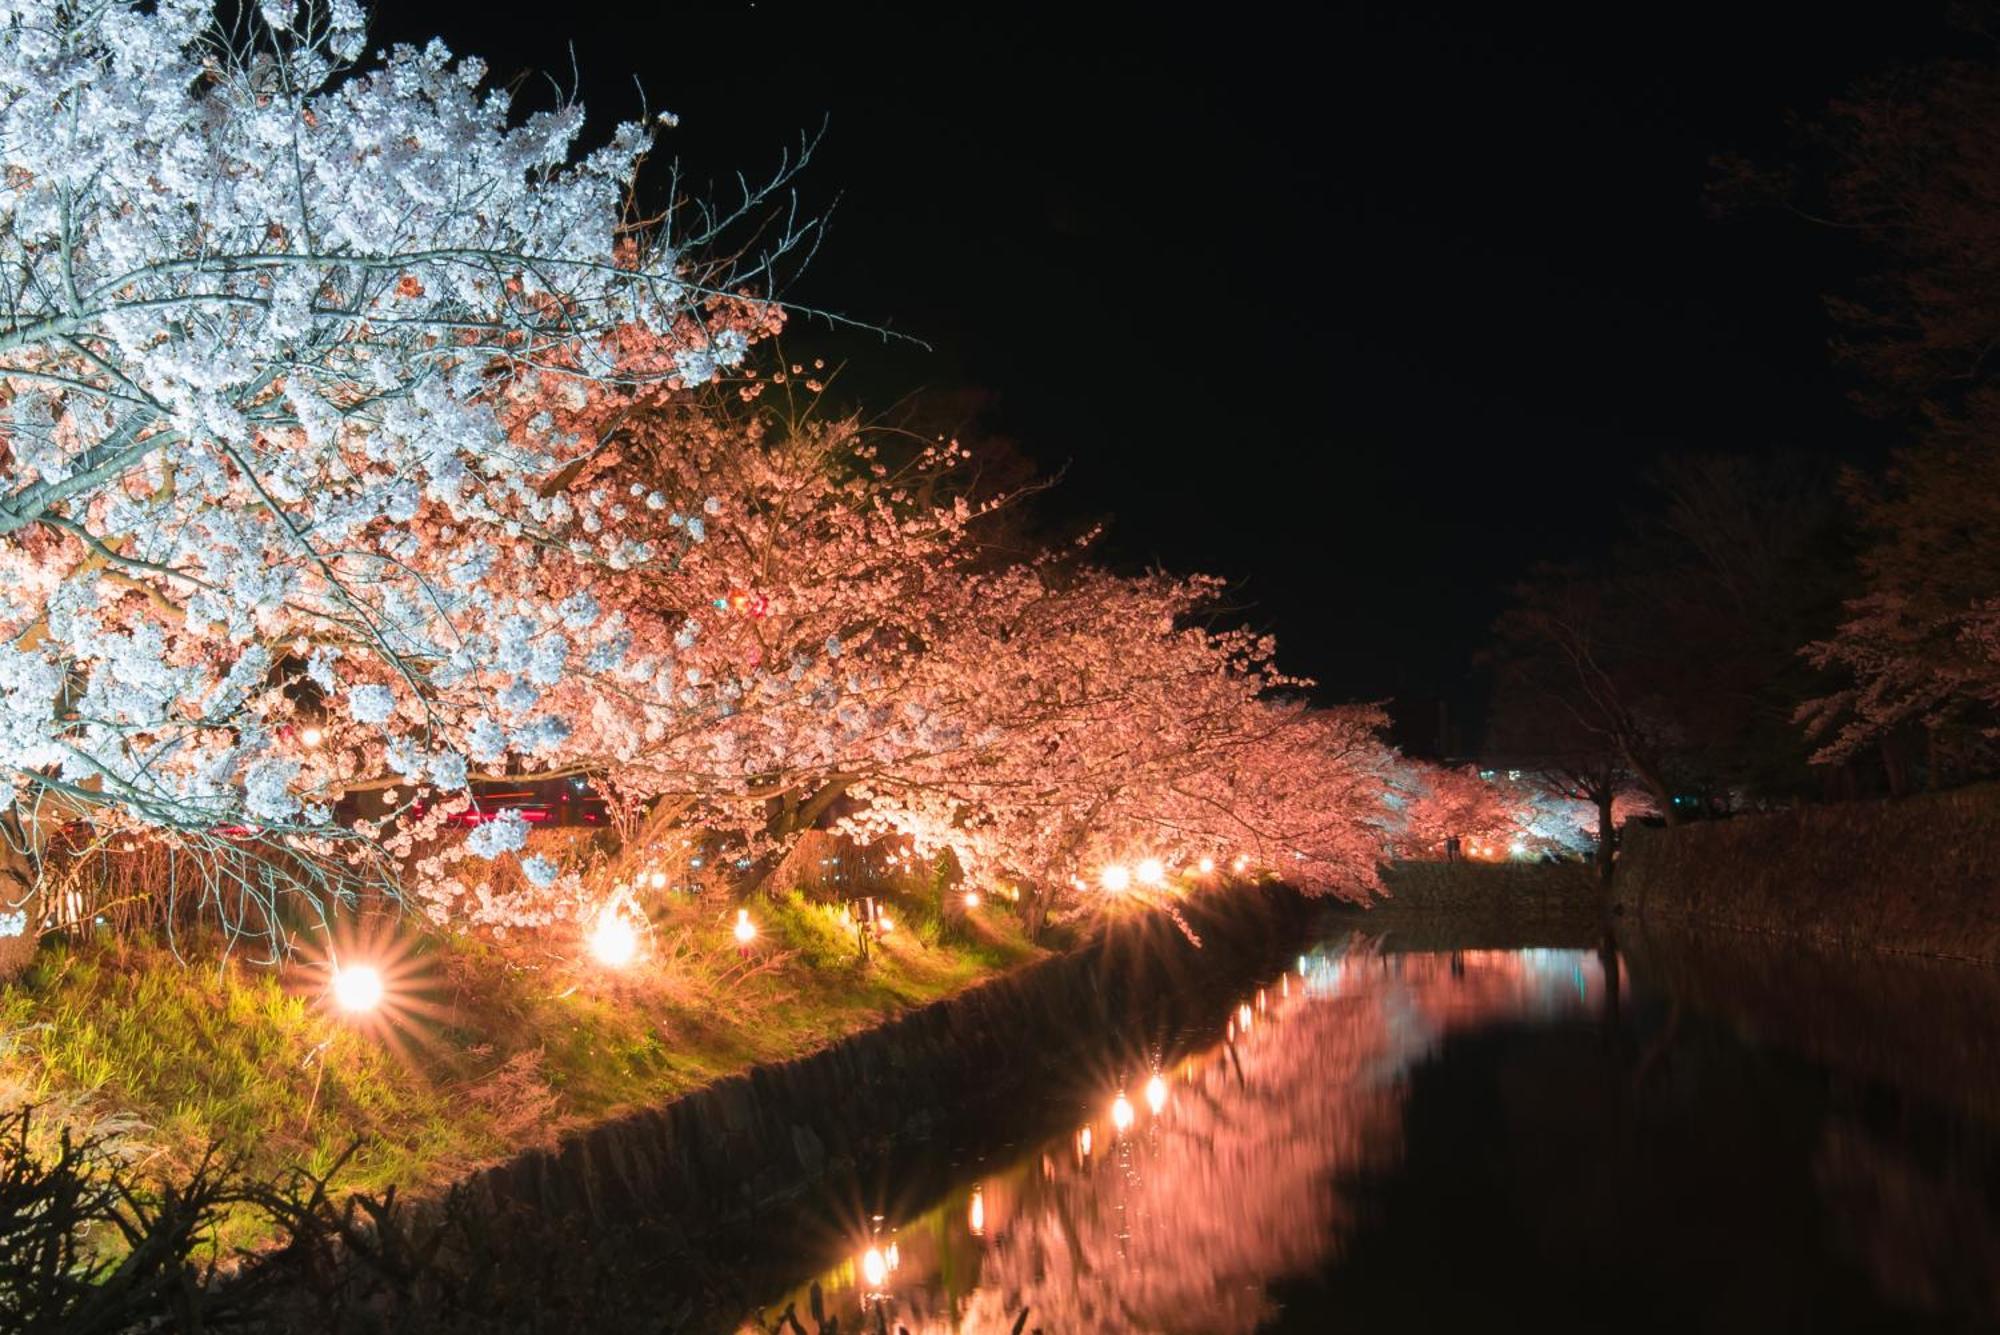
[(1490, 889), (1919, 875)]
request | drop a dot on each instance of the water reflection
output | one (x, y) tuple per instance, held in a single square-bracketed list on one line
[(1180, 1212)]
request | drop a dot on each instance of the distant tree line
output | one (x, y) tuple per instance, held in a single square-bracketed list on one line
[(1772, 629)]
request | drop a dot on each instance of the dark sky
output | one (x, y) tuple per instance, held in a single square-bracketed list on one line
[(1366, 316)]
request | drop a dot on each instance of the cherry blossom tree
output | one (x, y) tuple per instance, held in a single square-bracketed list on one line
[(1440, 802), (269, 317), (1075, 719)]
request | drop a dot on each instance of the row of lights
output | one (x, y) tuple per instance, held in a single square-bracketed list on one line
[(1118, 878), (613, 942)]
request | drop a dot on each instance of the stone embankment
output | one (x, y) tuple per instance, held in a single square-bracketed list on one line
[(1919, 875)]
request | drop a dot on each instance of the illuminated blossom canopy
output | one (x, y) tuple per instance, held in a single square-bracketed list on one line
[(356, 447), (268, 315)]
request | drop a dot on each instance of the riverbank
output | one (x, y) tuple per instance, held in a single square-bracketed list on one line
[(1916, 875), (672, 1207), (482, 1051)]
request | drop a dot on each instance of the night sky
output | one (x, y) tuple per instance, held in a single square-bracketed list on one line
[(1366, 317)]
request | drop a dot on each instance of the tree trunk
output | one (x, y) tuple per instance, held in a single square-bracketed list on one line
[(1607, 837), (1034, 912), (1895, 768), (20, 907), (790, 817)]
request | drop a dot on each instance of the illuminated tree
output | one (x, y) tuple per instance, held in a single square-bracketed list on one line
[(266, 315), (1074, 720), (1439, 803)]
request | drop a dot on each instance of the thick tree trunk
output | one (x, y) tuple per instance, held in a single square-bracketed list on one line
[(1607, 838), (790, 817), (1034, 912), (1895, 768)]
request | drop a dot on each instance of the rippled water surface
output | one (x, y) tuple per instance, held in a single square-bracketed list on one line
[(1667, 1138)]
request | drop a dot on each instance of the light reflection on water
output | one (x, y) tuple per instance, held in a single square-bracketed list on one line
[(1178, 1210)]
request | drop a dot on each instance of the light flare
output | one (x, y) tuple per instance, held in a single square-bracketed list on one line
[(358, 987), (615, 940)]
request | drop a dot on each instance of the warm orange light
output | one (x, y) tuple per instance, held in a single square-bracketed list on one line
[(976, 1215), (1151, 871), (312, 736), (1117, 878), (1121, 1111), (874, 1267), (357, 987), (746, 931), (971, 899), (1241, 865), (614, 941), (1206, 865), (659, 879), (1156, 1093)]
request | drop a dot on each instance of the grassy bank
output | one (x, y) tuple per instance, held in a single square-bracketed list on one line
[(482, 1048)]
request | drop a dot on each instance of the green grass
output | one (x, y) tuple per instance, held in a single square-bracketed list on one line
[(487, 1047)]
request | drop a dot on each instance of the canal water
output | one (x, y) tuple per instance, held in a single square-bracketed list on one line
[(1396, 1134)]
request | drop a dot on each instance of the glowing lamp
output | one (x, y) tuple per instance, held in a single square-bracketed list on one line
[(1151, 871), (1239, 866), (1121, 1112), (971, 899), (1206, 865), (614, 941), (312, 736), (1117, 878), (357, 987), (1243, 1017), (874, 1267), (885, 924), (659, 879), (976, 1214), (1156, 1093), (746, 931)]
